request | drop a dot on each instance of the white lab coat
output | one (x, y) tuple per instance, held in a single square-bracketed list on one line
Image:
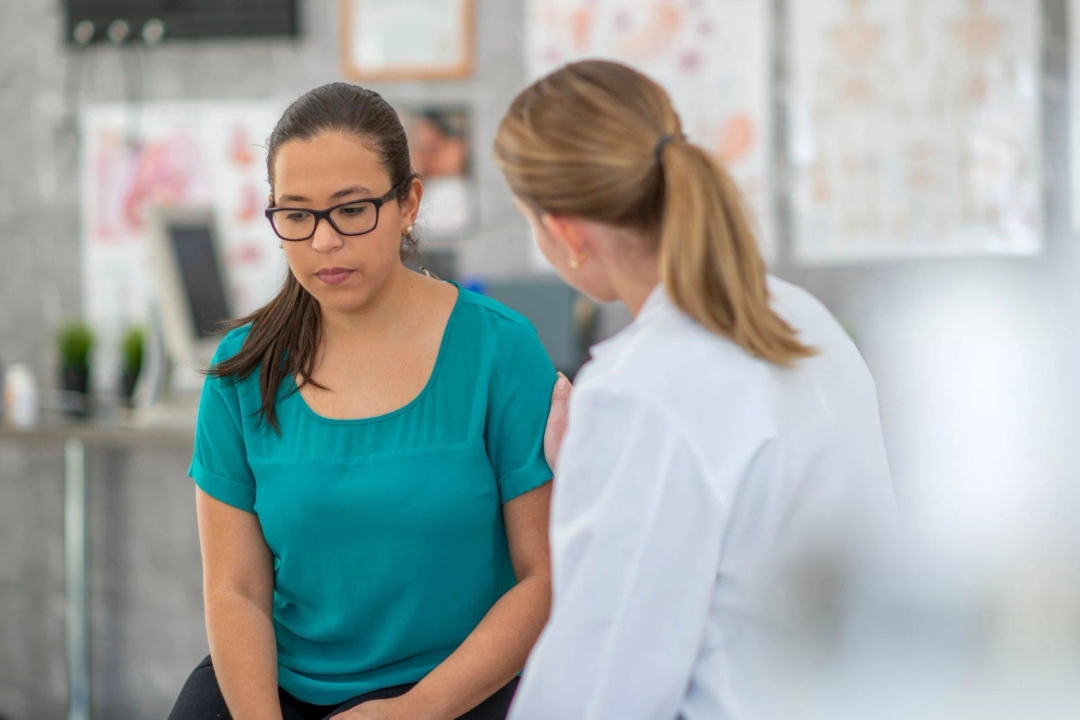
[(687, 468)]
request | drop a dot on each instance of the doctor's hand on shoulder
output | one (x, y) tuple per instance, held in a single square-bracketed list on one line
[(557, 420)]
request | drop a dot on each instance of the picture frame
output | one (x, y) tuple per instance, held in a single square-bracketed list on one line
[(395, 40), (441, 145)]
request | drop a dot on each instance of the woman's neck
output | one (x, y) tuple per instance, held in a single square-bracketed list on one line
[(632, 270), (636, 296), (635, 282), (386, 311)]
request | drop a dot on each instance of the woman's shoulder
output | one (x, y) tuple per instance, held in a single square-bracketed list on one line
[(492, 317), (231, 343), (501, 338)]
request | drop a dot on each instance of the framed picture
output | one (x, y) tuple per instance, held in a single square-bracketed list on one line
[(440, 141), (407, 39)]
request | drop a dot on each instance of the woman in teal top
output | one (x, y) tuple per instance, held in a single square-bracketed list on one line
[(372, 489)]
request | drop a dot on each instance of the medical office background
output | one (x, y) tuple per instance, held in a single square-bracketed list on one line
[(960, 285)]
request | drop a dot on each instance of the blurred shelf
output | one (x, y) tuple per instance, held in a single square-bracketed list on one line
[(123, 435)]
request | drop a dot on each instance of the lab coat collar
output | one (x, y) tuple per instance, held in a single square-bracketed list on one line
[(656, 304), (655, 307)]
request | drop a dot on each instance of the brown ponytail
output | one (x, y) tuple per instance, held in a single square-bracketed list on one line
[(585, 142)]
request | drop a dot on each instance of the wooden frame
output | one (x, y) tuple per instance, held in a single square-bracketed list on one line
[(466, 14)]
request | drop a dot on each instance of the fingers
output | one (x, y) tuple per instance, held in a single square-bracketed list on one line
[(558, 419), (561, 393), (560, 403)]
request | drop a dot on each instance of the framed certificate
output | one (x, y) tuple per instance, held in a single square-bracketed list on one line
[(407, 39)]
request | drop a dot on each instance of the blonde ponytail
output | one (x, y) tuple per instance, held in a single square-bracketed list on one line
[(600, 141), (709, 259)]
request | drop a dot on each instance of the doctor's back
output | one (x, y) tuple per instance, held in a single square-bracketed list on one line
[(742, 474), (724, 443)]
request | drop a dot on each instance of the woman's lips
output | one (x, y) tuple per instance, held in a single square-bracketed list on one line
[(334, 276)]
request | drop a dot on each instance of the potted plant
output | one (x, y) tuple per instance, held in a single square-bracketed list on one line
[(131, 359), (76, 340)]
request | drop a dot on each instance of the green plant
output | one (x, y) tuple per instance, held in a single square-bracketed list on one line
[(76, 340), (131, 349)]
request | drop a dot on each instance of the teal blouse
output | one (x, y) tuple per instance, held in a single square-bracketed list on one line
[(387, 533)]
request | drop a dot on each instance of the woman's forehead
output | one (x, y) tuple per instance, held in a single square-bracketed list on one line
[(323, 165)]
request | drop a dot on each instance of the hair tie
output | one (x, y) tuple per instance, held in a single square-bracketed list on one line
[(659, 149)]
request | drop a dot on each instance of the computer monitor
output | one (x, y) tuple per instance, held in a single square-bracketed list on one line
[(190, 280)]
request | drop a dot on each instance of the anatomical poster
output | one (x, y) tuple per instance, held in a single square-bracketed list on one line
[(915, 128), (712, 56)]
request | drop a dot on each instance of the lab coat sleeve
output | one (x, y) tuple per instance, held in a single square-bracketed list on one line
[(636, 541)]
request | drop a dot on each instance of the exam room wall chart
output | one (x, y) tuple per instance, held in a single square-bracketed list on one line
[(915, 128), (724, 98)]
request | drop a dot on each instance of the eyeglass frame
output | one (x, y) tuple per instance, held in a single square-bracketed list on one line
[(319, 215)]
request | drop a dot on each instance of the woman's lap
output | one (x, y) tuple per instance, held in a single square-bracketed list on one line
[(497, 707), (201, 699)]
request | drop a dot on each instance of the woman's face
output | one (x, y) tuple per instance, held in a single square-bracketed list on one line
[(342, 272)]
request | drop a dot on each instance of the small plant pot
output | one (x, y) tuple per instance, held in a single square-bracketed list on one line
[(75, 400), (129, 380)]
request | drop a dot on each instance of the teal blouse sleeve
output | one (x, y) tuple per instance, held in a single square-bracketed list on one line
[(220, 465), (518, 408)]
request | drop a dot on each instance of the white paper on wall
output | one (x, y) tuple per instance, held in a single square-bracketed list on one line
[(915, 128), (136, 156), (713, 57)]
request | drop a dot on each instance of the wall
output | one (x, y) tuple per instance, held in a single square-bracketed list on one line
[(973, 358)]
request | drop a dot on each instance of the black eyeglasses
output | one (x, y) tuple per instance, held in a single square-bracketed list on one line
[(356, 217)]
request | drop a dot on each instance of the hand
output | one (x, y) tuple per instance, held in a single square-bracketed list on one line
[(557, 420)]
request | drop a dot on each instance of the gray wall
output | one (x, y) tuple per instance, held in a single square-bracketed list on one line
[(973, 358)]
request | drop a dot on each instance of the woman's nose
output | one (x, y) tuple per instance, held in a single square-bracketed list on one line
[(326, 238)]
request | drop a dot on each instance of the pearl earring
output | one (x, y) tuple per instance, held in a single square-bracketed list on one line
[(575, 262)]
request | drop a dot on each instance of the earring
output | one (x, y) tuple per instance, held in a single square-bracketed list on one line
[(408, 230), (575, 262)]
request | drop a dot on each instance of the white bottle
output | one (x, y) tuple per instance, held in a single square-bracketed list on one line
[(20, 397)]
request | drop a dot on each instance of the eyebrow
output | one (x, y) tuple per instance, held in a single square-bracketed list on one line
[(343, 193)]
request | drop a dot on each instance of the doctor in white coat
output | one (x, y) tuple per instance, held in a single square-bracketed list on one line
[(728, 428)]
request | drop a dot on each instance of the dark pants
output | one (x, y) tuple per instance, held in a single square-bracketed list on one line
[(201, 699)]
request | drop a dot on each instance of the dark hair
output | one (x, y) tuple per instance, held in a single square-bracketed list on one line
[(286, 333)]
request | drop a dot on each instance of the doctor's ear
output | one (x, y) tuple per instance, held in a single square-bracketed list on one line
[(566, 232)]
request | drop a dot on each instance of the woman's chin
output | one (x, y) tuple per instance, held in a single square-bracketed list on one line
[(344, 298)]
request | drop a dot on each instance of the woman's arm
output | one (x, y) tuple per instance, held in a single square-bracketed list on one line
[(497, 649), (238, 588)]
